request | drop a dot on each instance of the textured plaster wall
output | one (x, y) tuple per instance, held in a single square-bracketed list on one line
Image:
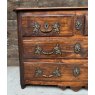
[(12, 22)]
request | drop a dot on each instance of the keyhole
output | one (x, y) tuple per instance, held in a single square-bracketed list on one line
[(46, 25), (76, 71)]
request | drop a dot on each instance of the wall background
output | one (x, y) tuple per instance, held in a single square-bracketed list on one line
[(12, 48)]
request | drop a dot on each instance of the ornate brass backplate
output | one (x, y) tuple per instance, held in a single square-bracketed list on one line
[(55, 50), (55, 27), (78, 24), (77, 48), (76, 71), (55, 73)]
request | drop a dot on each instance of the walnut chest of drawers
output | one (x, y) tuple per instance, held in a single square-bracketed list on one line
[(53, 46)]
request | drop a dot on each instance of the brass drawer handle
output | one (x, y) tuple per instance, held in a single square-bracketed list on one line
[(47, 76), (55, 50), (55, 73), (76, 71), (37, 28)]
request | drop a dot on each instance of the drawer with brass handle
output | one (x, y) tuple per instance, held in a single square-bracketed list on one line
[(53, 25), (58, 26), (56, 70), (73, 47), (48, 25)]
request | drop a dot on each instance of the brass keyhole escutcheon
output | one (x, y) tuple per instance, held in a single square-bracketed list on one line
[(77, 48), (78, 24), (76, 71)]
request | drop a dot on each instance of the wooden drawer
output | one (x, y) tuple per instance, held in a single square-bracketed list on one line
[(54, 24), (56, 70), (48, 24), (81, 24), (55, 47)]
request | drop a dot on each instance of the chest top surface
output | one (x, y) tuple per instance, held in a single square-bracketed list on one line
[(50, 8)]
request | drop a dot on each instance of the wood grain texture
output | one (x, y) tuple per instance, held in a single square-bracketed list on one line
[(66, 68), (86, 25), (65, 25), (66, 20), (82, 16), (58, 62), (66, 45)]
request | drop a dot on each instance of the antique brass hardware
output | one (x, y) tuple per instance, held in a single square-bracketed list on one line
[(55, 73), (56, 50), (76, 71), (77, 48), (38, 72), (37, 27), (78, 24)]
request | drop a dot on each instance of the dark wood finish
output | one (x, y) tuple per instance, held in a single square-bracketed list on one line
[(76, 88), (20, 52), (51, 8), (49, 58)]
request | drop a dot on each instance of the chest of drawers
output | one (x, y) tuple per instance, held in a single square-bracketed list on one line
[(53, 46)]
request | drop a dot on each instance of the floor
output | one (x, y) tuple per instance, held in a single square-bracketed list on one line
[(14, 87)]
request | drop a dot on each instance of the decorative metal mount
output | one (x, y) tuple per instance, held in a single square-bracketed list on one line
[(55, 73), (78, 24), (38, 72), (77, 48), (54, 27), (56, 50), (76, 71)]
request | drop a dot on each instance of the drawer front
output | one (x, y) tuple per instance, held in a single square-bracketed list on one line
[(81, 23), (47, 25), (56, 70), (55, 47)]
